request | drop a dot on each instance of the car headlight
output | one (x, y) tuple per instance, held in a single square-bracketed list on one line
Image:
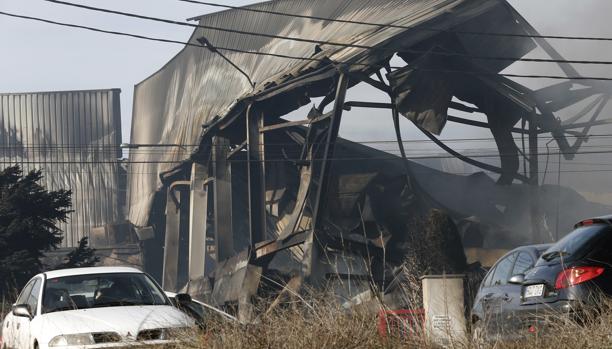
[(71, 339)]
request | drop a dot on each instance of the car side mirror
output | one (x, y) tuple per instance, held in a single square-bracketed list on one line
[(182, 298), (517, 279), (22, 310)]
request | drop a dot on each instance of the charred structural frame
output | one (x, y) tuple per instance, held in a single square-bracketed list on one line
[(263, 201)]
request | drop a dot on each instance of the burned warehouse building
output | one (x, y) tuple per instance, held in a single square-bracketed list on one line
[(227, 195)]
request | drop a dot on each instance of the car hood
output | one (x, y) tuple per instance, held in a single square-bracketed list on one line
[(127, 321)]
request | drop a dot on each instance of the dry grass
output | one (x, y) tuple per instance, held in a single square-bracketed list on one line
[(323, 324), (6, 303), (5, 307), (319, 324), (594, 330)]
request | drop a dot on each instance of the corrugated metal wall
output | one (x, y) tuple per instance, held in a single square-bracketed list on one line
[(74, 138)]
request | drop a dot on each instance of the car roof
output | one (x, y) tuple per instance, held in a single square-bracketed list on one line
[(537, 247), (89, 270), (541, 247), (605, 217)]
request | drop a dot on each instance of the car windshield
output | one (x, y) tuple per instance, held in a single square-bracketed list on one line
[(574, 245), (100, 290)]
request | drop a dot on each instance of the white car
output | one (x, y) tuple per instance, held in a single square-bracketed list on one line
[(96, 307)]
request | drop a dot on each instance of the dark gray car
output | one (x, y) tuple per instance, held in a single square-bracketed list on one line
[(498, 299), (571, 276)]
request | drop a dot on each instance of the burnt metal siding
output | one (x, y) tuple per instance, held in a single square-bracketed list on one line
[(74, 138), (197, 85)]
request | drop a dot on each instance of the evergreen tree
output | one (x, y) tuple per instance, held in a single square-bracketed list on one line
[(82, 256), (29, 218)]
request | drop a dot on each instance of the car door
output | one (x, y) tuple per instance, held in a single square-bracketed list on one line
[(481, 300), (498, 297), (24, 335), (12, 324), (7, 331), (524, 262)]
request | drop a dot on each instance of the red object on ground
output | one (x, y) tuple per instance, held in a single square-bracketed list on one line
[(403, 323)]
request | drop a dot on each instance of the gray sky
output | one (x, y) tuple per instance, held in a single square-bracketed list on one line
[(42, 57)]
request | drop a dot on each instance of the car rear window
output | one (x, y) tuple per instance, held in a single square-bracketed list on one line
[(575, 245)]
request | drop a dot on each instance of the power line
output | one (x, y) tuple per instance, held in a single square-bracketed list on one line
[(389, 157), (72, 169), (384, 25), (324, 42), (450, 71), (597, 170), (297, 159), (149, 38), (414, 170), (74, 162), (271, 148), (296, 149), (312, 59), (144, 147)]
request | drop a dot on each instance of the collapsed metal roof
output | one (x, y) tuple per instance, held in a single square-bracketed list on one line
[(198, 87), (74, 138)]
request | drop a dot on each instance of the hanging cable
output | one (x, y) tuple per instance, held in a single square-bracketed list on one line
[(324, 42), (385, 25), (313, 59)]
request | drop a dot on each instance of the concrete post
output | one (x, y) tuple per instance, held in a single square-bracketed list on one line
[(444, 303)]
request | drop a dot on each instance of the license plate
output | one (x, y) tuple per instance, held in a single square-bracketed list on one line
[(534, 291)]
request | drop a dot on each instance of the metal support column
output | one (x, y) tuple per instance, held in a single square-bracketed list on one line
[(328, 152), (256, 175), (534, 180), (197, 221), (170, 271), (313, 269), (224, 238)]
